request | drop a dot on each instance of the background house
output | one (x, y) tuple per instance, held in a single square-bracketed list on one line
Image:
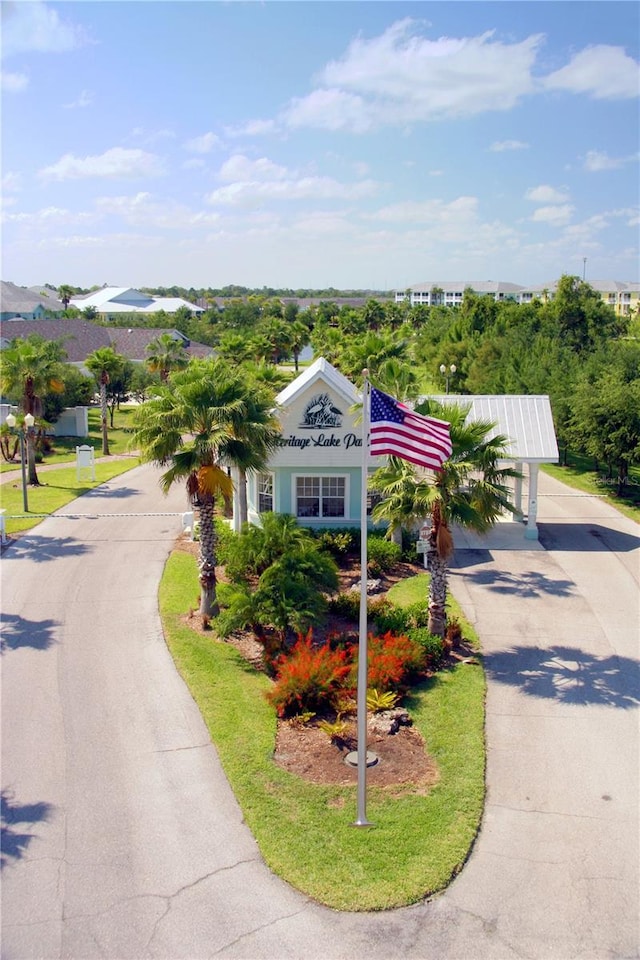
[(112, 302), (81, 337), (28, 303)]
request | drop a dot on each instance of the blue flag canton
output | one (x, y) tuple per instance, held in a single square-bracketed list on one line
[(384, 407)]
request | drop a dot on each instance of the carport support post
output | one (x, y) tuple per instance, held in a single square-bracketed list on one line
[(531, 533), (517, 492)]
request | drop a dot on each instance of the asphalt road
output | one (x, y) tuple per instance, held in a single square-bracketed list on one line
[(121, 838)]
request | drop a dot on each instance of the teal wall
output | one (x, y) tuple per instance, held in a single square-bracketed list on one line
[(283, 485)]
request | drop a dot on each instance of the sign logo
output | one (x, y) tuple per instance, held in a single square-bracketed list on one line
[(320, 413)]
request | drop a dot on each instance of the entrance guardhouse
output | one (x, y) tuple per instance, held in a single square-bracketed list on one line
[(527, 423), (315, 472)]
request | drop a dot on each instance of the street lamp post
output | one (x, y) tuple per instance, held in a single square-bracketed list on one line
[(446, 373), (29, 420)]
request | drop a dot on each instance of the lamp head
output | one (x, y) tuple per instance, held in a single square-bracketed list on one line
[(443, 369), (10, 421), (29, 420)]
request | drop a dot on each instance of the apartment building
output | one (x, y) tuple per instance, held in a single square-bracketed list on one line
[(623, 297)]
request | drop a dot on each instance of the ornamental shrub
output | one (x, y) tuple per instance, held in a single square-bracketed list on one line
[(309, 678), (382, 555), (394, 660), (432, 646)]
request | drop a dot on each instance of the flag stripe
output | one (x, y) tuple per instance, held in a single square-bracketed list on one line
[(397, 431)]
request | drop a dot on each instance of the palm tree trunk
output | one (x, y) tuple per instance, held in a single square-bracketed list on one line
[(207, 558), (30, 444), (105, 428), (438, 567)]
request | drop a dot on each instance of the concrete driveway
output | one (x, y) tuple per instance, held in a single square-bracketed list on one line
[(121, 838)]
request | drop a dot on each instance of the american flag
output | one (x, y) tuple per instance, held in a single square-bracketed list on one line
[(396, 431)]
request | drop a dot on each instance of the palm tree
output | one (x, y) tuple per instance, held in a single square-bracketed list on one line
[(255, 434), (165, 354), (185, 428), (105, 364), (65, 293), (398, 379), (470, 490), (30, 368)]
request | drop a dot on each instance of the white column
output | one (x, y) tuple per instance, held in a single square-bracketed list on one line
[(517, 492), (235, 522), (531, 532)]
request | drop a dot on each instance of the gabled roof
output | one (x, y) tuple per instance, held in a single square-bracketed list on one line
[(130, 300), (525, 420), (80, 337), (15, 299), (320, 369)]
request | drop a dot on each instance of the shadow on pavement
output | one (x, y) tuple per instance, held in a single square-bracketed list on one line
[(42, 549), (470, 557), (585, 537), (18, 632), (15, 842), (527, 584), (568, 675), (115, 493)]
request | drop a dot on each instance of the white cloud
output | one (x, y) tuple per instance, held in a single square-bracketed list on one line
[(239, 167), (35, 26), (14, 82), (252, 192), (49, 217), (604, 72), (429, 211), (144, 210), (115, 164), (329, 110), (399, 78), (11, 182), (323, 223), (253, 128), (84, 100), (595, 161), (555, 215), (112, 241), (546, 194), (202, 144), (499, 146)]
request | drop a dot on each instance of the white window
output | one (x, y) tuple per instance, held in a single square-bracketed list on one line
[(320, 497), (264, 485)]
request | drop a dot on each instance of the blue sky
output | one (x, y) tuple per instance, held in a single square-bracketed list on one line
[(303, 144)]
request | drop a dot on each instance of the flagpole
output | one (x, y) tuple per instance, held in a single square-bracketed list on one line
[(361, 820)]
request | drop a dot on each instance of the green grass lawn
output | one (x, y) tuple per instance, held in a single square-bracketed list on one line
[(64, 448), (580, 474), (305, 831)]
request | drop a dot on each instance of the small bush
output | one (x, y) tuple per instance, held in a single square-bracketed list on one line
[(432, 646), (377, 701), (382, 555), (393, 660), (337, 542), (346, 605), (387, 617), (418, 613), (309, 678)]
